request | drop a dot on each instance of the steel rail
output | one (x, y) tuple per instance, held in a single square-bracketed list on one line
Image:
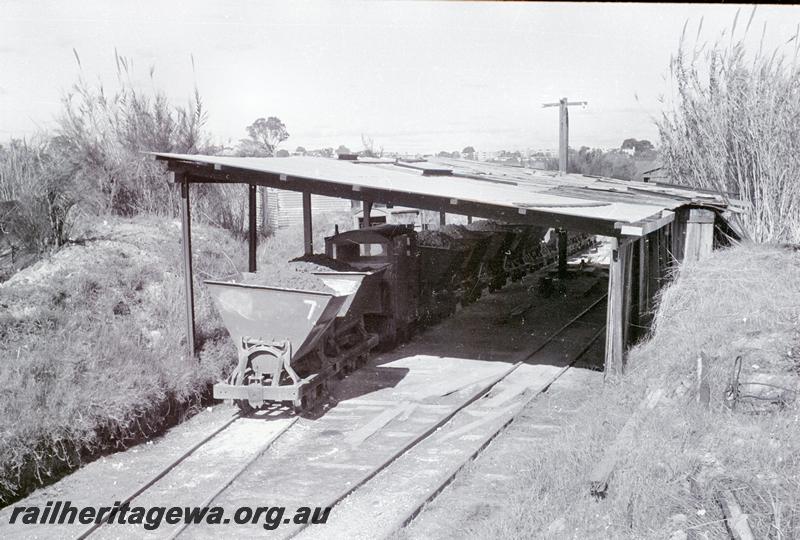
[(236, 474), (147, 485), (492, 436), (444, 420)]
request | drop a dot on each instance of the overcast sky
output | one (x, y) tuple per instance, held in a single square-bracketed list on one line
[(415, 76)]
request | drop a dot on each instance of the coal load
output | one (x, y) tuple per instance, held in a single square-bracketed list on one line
[(320, 263), (438, 239), (485, 225), (286, 276), (457, 231)]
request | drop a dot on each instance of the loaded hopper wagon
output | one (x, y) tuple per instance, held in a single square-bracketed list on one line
[(291, 342)]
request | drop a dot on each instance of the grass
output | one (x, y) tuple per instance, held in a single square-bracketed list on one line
[(741, 301), (93, 347)]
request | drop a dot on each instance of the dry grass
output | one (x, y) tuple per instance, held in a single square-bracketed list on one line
[(93, 344), (742, 301)]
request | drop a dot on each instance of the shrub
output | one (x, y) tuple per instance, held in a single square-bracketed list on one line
[(41, 191), (734, 130), (596, 162)]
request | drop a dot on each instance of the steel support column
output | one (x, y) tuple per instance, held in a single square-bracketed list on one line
[(252, 231), (186, 228), (308, 233)]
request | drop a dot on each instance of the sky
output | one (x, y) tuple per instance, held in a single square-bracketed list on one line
[(414, 76)]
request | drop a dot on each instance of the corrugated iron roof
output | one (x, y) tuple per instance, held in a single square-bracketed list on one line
[(515, 188)]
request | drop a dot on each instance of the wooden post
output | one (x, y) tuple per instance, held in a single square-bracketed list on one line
[(679, 233), (308, 233), (365, 222), (442, 218), (252, 228), (563, 131), (367, 207), (469, 220), (642, 296), (699, 234), (653, 269), (186, 229), (628, 305), (613, 356), (562, 253), (633, 301), (563, 136), (264, 223)]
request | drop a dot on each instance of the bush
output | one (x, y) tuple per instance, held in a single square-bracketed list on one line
[(734, 130), (596, 162), (41, 195)]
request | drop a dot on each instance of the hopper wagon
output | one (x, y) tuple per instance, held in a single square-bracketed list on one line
[(292, 342)]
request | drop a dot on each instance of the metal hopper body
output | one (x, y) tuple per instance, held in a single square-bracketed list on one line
[(362, 290), (272, 314), (276, 331)]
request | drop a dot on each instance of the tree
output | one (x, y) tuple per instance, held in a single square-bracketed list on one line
[(282, 153), (593, 161), (369, 147), (343, 150), (265, 136), (644, 146), (468, 152), (629, 144), (300, 150)]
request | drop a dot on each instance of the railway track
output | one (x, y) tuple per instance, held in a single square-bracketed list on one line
[(206, 443), (427, 458), (453, 418)]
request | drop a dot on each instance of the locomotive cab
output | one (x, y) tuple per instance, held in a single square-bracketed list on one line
[(392, 248)]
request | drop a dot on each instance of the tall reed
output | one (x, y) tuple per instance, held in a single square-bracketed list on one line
[(733, 129)]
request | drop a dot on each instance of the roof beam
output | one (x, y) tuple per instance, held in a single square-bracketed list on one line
[(646, 226)]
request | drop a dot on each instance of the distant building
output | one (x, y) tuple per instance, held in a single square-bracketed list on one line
[(285, 208), (538, 163), (650, 171)]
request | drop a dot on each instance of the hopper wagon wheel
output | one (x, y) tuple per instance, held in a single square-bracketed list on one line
[(301, 405), (243, 404)]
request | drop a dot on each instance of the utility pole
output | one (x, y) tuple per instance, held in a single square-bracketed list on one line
[(563, 130)]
